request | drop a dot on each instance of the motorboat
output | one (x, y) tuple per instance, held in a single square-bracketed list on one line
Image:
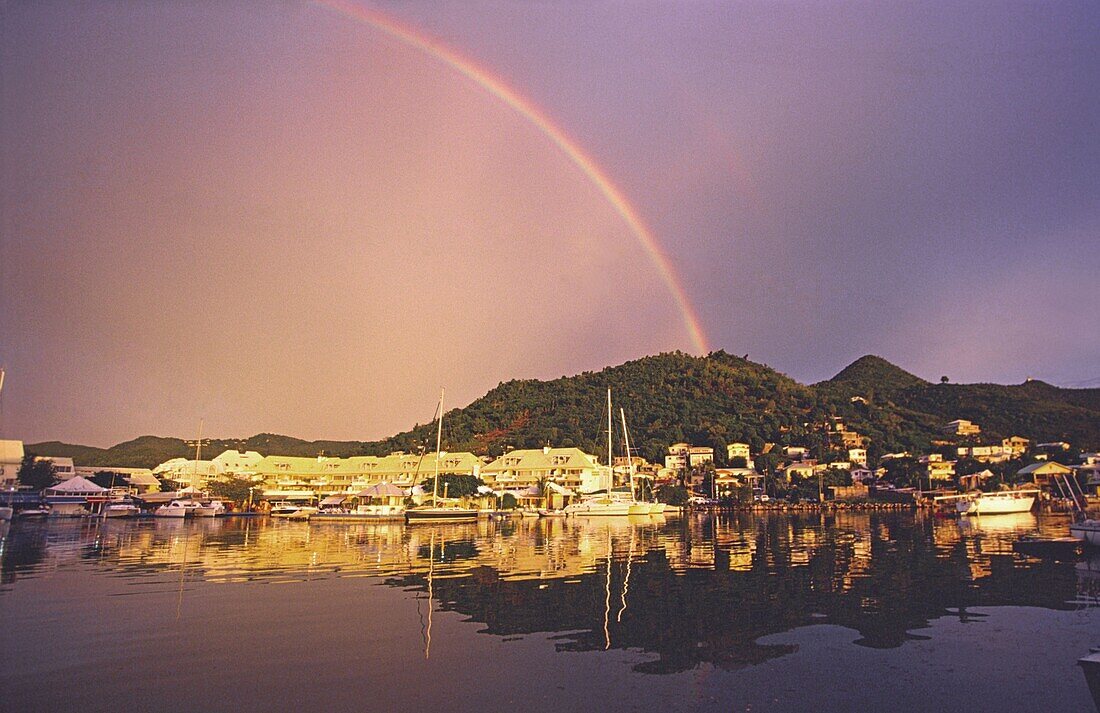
[(177, 509), (303, 513), (284, 508), (33, 513), (121, 509), (212, 508), (1087, 531)]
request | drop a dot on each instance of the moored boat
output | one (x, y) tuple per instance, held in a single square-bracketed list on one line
[(435, 512), (1087, 531), (1001, 502), (121, 509), (177, 509)]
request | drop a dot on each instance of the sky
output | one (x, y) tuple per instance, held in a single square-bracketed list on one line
[(278, 217)]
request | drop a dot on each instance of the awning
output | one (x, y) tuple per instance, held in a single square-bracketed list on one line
[(152, 498), (334, 500), (77, 485), (382, 490), (561, 490)]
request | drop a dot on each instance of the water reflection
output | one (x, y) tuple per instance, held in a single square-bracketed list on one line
[(686, 591)]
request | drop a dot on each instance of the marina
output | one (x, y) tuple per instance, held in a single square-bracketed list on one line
[(707, 610)]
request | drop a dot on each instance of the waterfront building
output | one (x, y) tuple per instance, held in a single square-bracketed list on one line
[(570, 468), (11, 459), (962, 427), (190, 471), (234, 462), (1041, 473), (141, 480)]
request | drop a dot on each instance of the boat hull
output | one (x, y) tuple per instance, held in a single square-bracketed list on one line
[(418, 515), (600, 508), (996, 504), (1087, 532)]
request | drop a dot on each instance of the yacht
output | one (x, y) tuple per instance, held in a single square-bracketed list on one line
[(435, 512), (283, 508), (212, 508), (607, 504), (1000, 502), (177, 508), (121, 509)]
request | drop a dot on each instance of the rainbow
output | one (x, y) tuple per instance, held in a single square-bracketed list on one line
[(528, 110)]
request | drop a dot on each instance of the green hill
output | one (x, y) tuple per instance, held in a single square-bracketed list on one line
[(712, 400)]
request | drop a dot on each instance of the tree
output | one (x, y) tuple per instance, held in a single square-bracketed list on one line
[(105, 478), (237, 490), (35, 473), (902, 472), (454, 485), (944, 379), (738, 462), (508, 502), (672, 495)]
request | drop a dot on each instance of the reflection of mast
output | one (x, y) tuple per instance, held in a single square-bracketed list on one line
[(626, 580), (431, 571), (607, 586)]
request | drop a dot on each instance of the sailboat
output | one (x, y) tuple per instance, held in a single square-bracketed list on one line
[(603, 504), (436, 512), (640, 507)]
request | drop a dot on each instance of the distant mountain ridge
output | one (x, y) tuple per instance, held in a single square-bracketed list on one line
[(712, 400)]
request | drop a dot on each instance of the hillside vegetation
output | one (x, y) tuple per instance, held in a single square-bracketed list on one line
[(712, 400)]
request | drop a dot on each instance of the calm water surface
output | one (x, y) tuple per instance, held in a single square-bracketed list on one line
[(879, 611)]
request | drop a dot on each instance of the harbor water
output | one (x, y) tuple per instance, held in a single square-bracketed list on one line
[(725, 612)]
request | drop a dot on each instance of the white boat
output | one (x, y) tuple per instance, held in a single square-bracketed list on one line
[(639, 507), (606, 505), (1087, 531), (1000, 502), (599, 505), (283, 508), (303, 513), (121, 509), (436, 512), (177, 508), (212, 508)]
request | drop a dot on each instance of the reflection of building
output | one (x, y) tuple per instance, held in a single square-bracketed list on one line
[(11, 458)]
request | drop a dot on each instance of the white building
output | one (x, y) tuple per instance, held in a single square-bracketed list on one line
[(11, 458), (858, 456), (233, 462)]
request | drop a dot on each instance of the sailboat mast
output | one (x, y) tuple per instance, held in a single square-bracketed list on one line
[(198, 457), (610, 458), (629, 462), (438, 444)]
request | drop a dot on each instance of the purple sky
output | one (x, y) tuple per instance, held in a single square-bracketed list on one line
[(276, 218)]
